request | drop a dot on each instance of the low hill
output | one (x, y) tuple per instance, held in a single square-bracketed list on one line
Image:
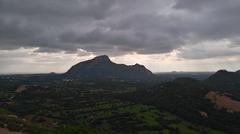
[(224, 80), (189, 99)]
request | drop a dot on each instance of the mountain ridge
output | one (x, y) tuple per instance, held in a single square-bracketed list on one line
[(101, 67), (224, 79)]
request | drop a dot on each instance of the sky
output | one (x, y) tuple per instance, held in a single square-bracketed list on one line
[(41, 36)]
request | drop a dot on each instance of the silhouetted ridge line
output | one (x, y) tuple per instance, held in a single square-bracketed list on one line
[(101, 67)]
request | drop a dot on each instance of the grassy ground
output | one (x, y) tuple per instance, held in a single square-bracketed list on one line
[(111, 117)]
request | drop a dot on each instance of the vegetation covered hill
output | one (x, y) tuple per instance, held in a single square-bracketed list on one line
[(224, 80), (187, 98)]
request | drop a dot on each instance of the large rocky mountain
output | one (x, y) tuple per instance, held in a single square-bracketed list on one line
[(102, 68)]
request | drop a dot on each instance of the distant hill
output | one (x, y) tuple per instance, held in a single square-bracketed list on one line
[(238, 71), (224, 80), (102, 68)]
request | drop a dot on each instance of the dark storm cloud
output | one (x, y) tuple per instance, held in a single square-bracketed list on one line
[(216, 18), (119, 26), (56, 8)]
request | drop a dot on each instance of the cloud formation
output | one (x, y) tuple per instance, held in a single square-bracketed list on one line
[(197, 29)]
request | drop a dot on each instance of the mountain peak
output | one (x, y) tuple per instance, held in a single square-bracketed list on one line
[(102, 59), (137, 64), (222, 71), (101, 67)]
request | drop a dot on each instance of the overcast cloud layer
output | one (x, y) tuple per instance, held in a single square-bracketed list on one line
[(197, 29)]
